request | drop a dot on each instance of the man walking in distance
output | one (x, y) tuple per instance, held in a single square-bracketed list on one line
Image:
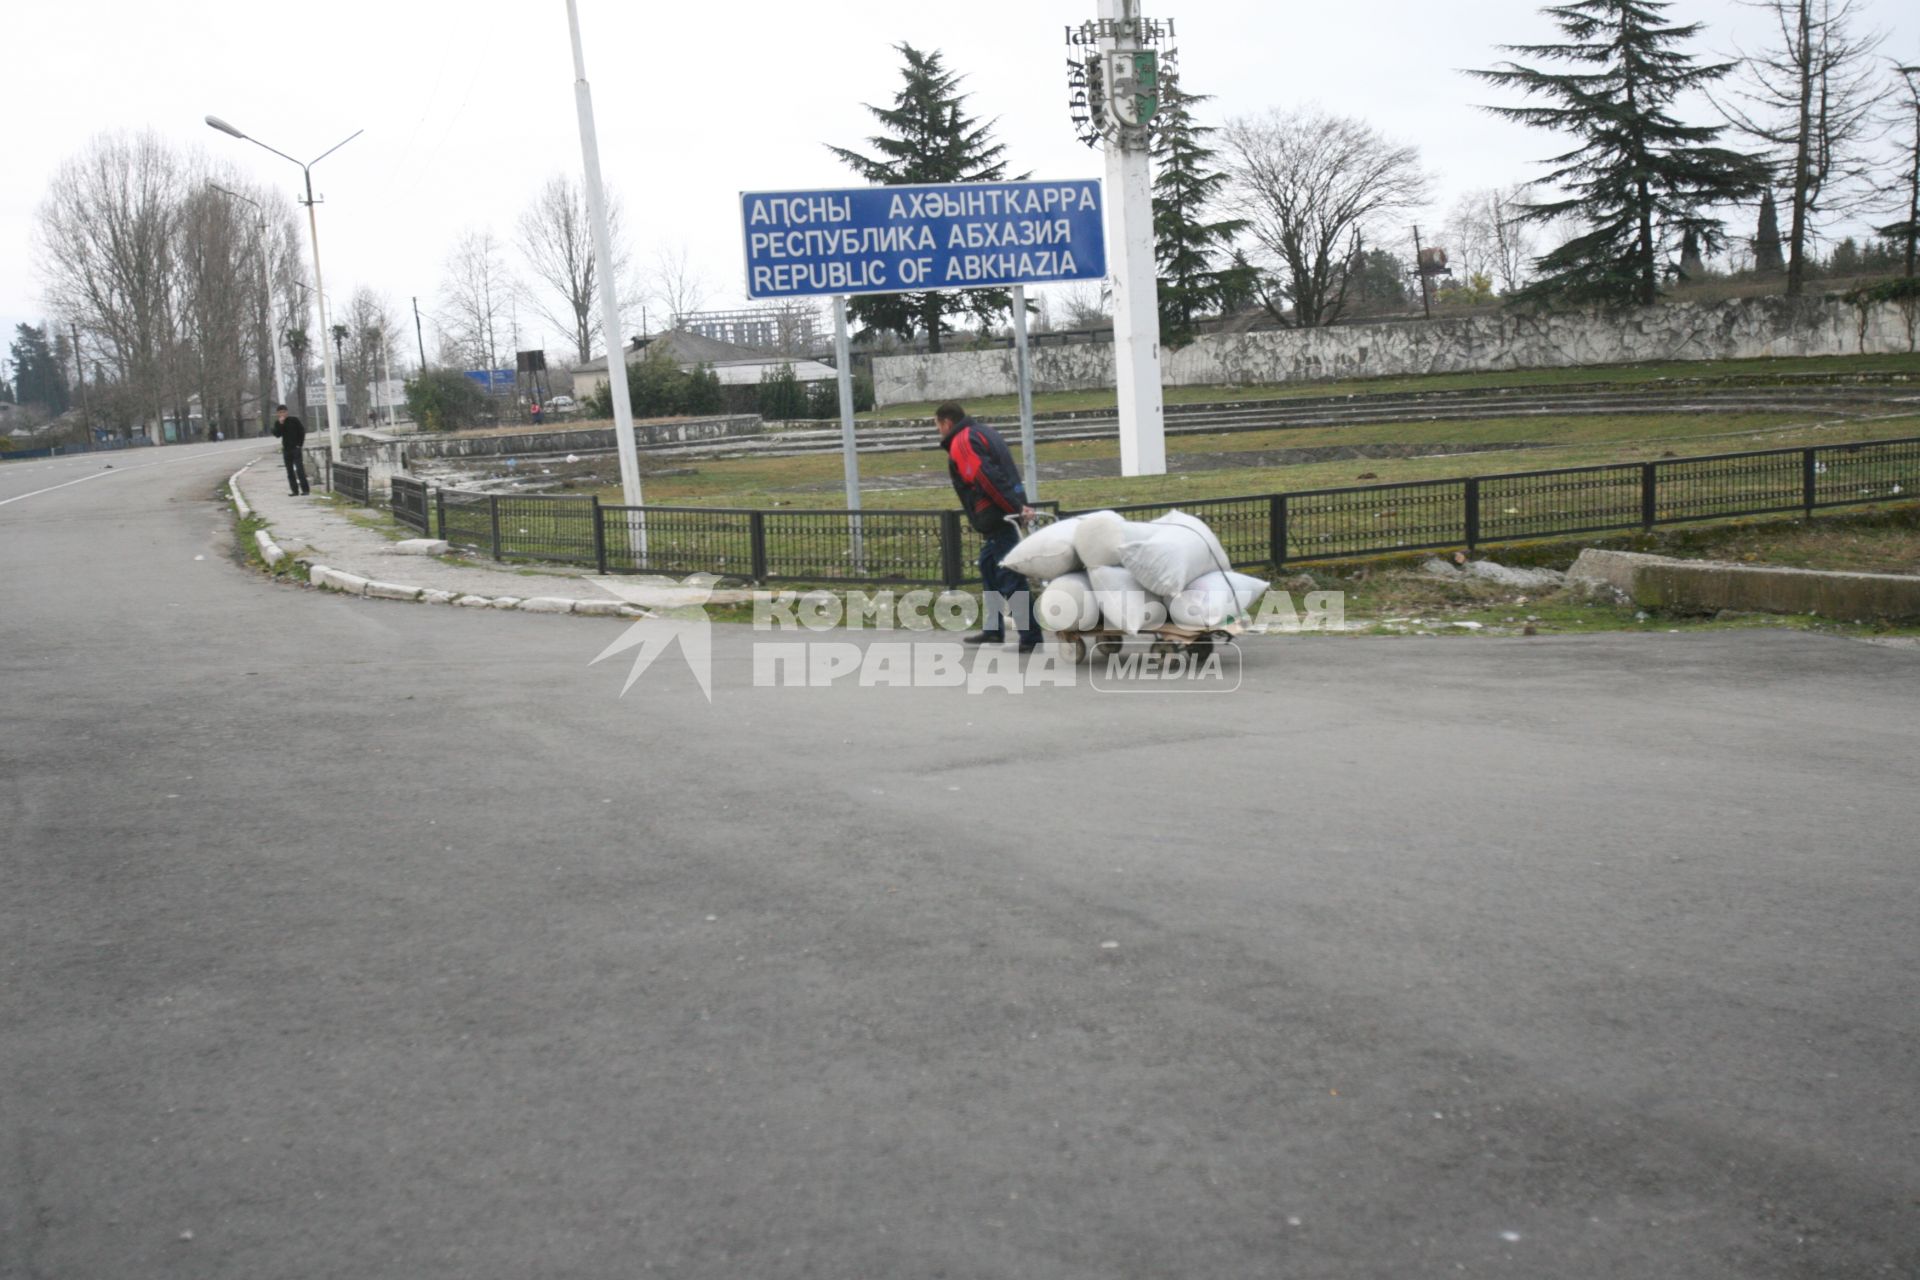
[(983, 475), (293, 434)]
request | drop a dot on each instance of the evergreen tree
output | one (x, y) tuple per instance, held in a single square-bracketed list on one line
[(927, 137), (37, 375), (1185, 186), (1767, 257), (1640, 178), (1377, 279), (1692, 265), (1240, 283)]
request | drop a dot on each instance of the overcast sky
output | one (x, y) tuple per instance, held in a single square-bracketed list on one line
[(468, 107)]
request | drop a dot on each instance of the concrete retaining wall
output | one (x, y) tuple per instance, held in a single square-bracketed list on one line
[(1705, 586), (1483, 341), (383, 454)]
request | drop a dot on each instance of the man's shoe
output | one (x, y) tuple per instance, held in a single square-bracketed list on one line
[(985, 637), (1029, 643)]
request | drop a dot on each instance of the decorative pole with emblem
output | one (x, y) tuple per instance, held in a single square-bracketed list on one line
[(1123, 95)]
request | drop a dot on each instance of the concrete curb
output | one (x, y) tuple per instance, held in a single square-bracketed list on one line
[(327, 578), (1706, 586), (240, 502)]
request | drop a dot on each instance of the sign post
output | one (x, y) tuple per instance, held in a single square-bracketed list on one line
[(1129, 99), (849, 445), (919, 239), (1027, 448)]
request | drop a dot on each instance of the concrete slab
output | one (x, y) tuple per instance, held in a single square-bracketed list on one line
[(1708, 586)]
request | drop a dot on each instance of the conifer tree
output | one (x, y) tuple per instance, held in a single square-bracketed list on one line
[(926, 136), (1640, 179), (1766, 240), (1186, 186)]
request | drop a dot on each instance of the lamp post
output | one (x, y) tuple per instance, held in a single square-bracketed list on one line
[(319, 285), (266, 296), (609, 302)]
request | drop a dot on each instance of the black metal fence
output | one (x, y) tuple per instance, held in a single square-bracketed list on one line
[(348, 481), (412, 504), (938, 548), (1471, 511)]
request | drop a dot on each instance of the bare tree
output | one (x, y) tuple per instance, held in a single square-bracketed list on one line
[(556, 238), (1809, 101), (1310, 185), (675, 284), (1904, 121), (106, 240), (1085, 306), (1486, 236), (219, 294), (367, 348), (475, 297)]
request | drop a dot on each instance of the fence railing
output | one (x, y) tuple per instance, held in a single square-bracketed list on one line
[(412, 504), (938, 548), (348, 481)]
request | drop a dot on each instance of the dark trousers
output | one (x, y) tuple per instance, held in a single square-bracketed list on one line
[(1010, 587), (296, 471)]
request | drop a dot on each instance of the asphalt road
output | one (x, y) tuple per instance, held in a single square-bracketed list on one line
[(341, 938)]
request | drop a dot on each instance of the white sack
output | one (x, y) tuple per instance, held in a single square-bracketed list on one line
[(1098, 536), (1171, 552), (1047, 552), (1124, 603), (1215, 599), (1068, 604)]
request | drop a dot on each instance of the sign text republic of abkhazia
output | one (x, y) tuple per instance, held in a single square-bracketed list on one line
[(893, 239)]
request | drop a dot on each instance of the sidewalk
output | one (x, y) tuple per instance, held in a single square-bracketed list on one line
[(346, 556)]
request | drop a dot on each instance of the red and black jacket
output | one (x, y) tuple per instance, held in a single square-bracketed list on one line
[(981, 468)]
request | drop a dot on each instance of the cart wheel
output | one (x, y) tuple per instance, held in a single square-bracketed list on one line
[(1100, 648), (1070, 647)]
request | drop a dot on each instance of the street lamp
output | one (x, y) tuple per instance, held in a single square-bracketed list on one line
[(319, 286), (266, 295), (605, 276)]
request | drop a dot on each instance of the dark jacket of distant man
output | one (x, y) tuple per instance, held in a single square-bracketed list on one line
[(293, 435)]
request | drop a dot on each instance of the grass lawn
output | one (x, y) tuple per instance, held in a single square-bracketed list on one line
[(814, 481), (1620, 374)]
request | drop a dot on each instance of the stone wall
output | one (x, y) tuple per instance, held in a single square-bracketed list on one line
[(383, 453), (1490, 340)]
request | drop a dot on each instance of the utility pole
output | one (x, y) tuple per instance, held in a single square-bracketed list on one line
[(1420, 271), (416, 335), (319, 283), (609, 301), (1130, 250), (86, 415), (386, 379)]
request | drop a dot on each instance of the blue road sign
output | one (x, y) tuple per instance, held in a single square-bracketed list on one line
[(968, 235), (493, 381)]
